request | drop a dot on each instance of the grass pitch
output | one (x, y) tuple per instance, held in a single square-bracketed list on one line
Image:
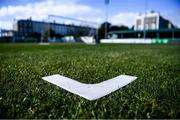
[(155, 94)]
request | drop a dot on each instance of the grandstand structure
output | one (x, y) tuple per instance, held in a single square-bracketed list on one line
[(53, 29), (87, 29)]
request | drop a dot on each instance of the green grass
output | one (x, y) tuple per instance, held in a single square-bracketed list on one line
[(155, 94)]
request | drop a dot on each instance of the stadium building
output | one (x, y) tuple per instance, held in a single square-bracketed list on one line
[(34, 31), (148, 28), (152, 21)]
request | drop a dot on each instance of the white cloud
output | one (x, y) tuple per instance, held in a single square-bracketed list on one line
[(40, 11), (127, 19), (6, 24)]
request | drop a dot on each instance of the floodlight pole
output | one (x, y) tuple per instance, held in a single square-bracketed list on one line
[(49, 30), (106, 17)]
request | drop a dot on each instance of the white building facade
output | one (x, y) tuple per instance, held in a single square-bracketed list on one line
[(152, 21)]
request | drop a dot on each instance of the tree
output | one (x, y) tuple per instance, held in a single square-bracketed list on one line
[(122, 27), (132, 28), (101, 30)]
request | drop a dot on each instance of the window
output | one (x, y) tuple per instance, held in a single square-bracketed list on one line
[(153, 26), (150, 22)]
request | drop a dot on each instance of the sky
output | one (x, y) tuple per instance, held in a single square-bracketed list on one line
[(120, 12)]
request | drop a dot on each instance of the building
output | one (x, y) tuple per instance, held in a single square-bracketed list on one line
[(149, 28), (29, 28), (6, 35), (152, 21)]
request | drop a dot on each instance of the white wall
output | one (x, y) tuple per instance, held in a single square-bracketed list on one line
[(133, 40), (141, 17)]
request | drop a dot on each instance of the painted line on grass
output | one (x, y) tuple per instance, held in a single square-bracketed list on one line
[(90, 91)]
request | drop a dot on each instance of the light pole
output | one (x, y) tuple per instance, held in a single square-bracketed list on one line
[(106, 17)]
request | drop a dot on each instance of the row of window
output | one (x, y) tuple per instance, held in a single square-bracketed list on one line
[(149, 23), (26, 27)]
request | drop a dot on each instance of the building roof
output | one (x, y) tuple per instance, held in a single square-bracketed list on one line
[(139, 31)]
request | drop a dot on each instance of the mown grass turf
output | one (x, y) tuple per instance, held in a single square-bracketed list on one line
[(155, 94)]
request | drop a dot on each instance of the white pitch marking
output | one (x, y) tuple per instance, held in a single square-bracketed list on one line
[(90, 91)]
